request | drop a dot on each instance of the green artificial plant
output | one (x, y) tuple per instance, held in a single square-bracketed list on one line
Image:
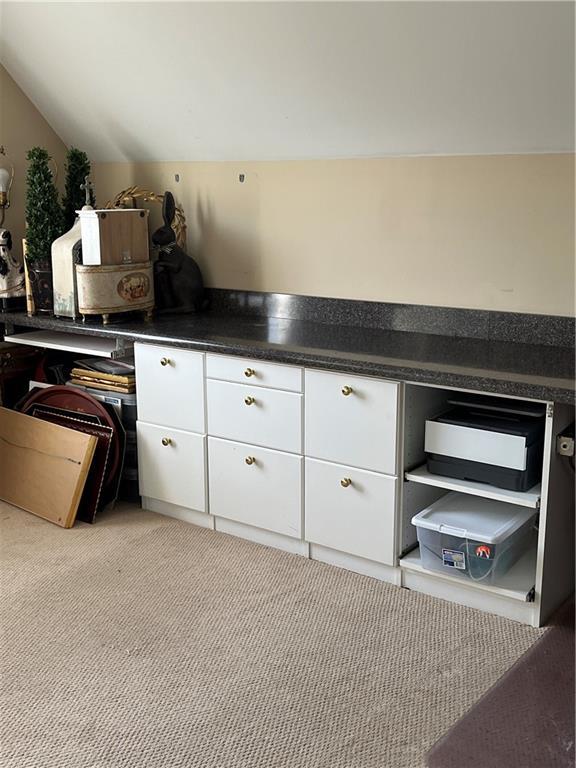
[(77, 169), (44, 220)]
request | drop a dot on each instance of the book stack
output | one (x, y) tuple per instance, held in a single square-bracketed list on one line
[(110, 375)]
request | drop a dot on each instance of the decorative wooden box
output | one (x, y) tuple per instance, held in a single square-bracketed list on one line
[(105, 290), (114, 236)]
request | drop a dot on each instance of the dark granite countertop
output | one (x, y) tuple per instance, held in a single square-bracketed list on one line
[(540, 371)]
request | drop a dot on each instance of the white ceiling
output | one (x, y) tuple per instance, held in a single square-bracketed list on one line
[(255, 81)]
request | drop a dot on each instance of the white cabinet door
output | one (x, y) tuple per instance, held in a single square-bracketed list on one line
[(350, 510), (265, 417), (170, 386), (242, 370), (172, 465), (256, 486), (351, 420)]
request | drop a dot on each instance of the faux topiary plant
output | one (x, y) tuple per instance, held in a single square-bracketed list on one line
[(44, 221), (77, 168)]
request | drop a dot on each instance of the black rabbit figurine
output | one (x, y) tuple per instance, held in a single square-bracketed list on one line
[(178, 283)]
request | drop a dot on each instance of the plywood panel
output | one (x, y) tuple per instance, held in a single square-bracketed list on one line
[(43, 467)]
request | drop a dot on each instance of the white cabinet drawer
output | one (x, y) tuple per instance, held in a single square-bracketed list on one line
[(256, 415), (170, 386), (350, 510), (244, 371), (172, 465), (351, 420), (256, 486)]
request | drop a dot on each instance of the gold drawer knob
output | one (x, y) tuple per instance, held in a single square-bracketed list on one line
[(249, 372), (345, 482), (347, 390), (249, 400), (165, 361), (250, 460), (166, 441)]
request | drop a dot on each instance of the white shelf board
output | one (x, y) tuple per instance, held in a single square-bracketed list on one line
[(529, 498), (515, 584), (68, 342)]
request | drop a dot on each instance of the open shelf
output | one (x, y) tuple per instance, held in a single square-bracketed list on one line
[(516, 584), (529, 498), (67, 342)]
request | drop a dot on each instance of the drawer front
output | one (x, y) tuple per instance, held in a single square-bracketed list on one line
[(265, 491), (244, 371), (170, 386), (172, 465), (476, 445), (256, 415), (357, 428), (350, 510)]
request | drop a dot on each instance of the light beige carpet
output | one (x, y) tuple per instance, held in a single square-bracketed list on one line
[(144, 642)]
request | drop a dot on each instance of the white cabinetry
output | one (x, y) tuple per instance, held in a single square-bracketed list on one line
[(351, 420), (172, 465), (255, 449), (290, 457), (171, 431), (350, 510), (170, 389), (254, 372), (256, 486), (266, 417)]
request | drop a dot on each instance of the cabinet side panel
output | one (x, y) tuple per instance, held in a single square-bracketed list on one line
[(555, 568)]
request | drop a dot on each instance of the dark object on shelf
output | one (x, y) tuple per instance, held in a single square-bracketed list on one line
[(66, 398), (499, 448), (526, 720), (17, 362), (95, 496), (40, 276), (498, 405), (119, 366), (125, 408), (178, 283), (13, 304), (129, 489)]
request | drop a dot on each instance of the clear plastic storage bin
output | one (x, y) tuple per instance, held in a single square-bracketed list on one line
[(473, 537)]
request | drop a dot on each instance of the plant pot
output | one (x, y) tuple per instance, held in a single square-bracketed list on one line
[(40, 276)]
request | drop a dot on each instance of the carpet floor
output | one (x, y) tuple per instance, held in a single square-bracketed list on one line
[(144, 642)]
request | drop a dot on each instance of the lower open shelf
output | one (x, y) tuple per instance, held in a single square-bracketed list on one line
[(530, 498), (516, 584)]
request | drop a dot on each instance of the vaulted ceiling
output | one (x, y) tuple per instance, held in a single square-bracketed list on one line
[(216, 81)]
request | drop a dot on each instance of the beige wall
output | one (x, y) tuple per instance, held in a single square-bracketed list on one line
[(492, 232), (21, 128)]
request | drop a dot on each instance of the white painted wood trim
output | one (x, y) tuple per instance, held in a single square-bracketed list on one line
[(462, 595), (192, 516), (260, 536), (513, 585), (360, 565)]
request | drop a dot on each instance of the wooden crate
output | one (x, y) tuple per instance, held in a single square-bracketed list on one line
[(115, 236)]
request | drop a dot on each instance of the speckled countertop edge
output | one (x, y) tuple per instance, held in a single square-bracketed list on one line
[(549, 388)]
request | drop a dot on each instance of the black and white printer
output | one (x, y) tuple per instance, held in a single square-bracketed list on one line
[(488, 440)]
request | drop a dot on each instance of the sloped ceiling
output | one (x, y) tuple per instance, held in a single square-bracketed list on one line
[(240, 81)]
